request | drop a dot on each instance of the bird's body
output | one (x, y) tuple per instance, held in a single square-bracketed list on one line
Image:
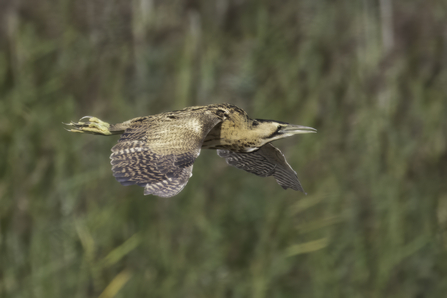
[(158, 151)]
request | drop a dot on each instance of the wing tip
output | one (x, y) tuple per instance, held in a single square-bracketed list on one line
[(162, 192)]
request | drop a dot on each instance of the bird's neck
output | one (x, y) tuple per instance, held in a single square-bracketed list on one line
[(231, 136)]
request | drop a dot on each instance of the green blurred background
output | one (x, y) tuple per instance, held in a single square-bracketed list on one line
[(370, 75)]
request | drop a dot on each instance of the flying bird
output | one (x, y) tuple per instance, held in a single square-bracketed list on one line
[(157, 152)]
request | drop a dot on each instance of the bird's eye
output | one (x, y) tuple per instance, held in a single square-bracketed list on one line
[(255, 123)]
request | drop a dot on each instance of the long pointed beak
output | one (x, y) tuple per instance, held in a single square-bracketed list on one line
[(297, 129)]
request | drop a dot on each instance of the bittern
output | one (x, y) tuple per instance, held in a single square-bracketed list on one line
[(157, 152)]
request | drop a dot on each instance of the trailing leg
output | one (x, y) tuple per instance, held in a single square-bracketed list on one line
[(93, 126)]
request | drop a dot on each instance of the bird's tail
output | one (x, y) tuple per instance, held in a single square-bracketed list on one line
[(94, 126)]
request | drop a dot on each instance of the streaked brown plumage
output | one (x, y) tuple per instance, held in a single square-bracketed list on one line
[(157, 152)]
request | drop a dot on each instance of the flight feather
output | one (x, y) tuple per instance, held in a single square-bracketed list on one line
[(267, 161)]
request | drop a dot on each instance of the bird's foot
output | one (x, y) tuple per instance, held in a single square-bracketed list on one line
[(92, 126)]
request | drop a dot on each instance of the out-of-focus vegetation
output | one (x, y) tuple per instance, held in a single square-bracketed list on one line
[(371, 76)]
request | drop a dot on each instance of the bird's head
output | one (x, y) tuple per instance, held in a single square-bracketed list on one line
[(271, 130)]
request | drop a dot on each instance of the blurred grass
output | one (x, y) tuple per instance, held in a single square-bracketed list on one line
[(369, 75)]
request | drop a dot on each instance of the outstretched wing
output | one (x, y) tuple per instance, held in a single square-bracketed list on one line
[(158, 154), (267, 161)]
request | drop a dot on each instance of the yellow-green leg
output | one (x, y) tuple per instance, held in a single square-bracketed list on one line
[(93, 125)]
